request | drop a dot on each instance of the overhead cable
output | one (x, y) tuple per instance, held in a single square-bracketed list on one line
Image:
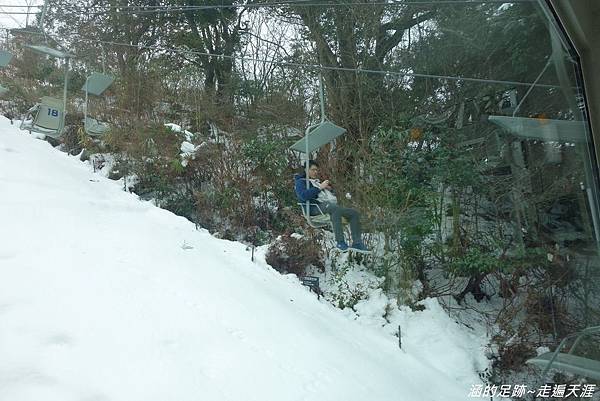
[(317, 67)]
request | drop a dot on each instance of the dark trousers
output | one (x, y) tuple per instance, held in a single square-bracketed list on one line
[(337, 212)]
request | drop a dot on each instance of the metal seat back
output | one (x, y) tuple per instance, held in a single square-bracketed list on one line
[(50, 114), (46, 117)]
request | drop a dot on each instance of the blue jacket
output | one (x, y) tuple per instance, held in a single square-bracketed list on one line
[(306, 194)]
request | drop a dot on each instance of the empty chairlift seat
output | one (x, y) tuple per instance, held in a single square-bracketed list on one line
[(94, 127), (95, 84), (568, 361), (46, 117)]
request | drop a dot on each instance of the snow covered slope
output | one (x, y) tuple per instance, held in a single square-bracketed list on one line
[(99, 301)]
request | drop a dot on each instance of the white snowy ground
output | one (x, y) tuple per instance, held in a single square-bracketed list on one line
[(99, 301)]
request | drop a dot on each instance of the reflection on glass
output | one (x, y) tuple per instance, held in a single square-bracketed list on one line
[(533, 203), (535, 153)]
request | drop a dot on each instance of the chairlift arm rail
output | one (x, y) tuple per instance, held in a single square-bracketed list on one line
[(584, 333), (321, 220), (308, 205), (29, 114), (578, 336), (33, 108)]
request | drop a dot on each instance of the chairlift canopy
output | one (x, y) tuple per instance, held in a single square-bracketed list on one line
[(543, 129), (5, 58), (48, 51), (97, 83), (317, 136)]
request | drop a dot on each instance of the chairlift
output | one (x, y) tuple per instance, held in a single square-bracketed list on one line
[(95, 84), (48, 116), (316, 135)]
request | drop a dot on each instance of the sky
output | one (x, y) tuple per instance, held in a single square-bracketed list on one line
[(9, 18)]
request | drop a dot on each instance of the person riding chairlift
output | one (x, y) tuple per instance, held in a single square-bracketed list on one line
[(320, 193)]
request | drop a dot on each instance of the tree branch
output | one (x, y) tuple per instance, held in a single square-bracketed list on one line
[(386, 43), (318, 36)]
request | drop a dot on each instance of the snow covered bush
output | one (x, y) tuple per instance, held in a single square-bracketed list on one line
[(294, 254), (349, 284)]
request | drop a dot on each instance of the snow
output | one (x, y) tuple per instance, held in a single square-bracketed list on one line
[(177, 128), (429, 333), (188, 151), (173, 127), (105, 297), (542, 350), (187, 148)]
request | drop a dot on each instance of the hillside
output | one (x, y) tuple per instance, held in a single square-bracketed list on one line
[(105, 297)]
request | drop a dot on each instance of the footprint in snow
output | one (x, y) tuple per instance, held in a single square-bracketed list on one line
[(96, 397), (59, 340), (5, 255)]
